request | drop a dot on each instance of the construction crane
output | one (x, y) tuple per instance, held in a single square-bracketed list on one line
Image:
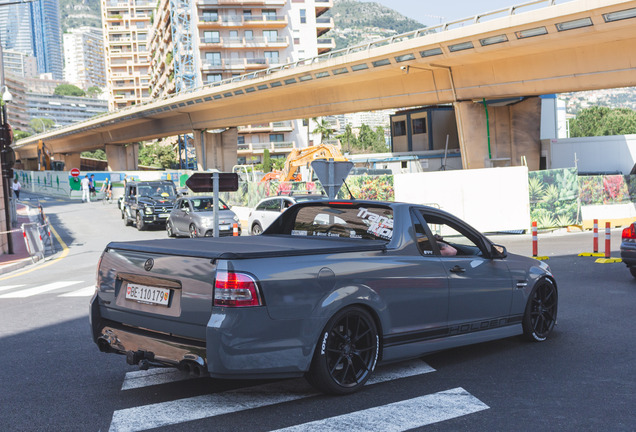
[(301, 157)]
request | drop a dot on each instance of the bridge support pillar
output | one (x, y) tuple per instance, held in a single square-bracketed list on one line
[(514, 131), (71, 160), (216, 150), (122, 158)]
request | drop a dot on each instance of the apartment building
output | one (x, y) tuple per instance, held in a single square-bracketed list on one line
[(84, 57), (19, 64), (125, 25), (207, 41)]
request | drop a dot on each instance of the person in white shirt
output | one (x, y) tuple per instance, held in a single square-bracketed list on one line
[(86, 197), (16, 186)]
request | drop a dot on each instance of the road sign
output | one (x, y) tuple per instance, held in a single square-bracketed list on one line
[(331, 174), (75, 172), (204, 182)]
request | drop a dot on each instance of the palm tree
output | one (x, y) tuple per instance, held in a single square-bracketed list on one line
[(322, 128)]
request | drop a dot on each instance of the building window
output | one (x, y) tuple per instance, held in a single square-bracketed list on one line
[(303, 16), (269, 15), (419, 126), (399, 128), (211, 37), (272, 57), (210, 15), (247, 15), (249, 35), (240, 139), (296, 41), (213, 58), (210, 78), (234, 35), (276, 137), (270, 35)]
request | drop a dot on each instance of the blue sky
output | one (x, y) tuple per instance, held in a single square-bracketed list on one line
[(428, 11)]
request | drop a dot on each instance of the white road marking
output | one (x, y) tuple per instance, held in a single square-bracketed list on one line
[(399, 416), (199, 407), (6, 288), (140, 379), (84, 292), (39, 289)]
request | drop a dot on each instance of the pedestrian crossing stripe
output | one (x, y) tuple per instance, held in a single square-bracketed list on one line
[(6, 288), (84, 292), (44, 289), (399, 416), (211, 405)]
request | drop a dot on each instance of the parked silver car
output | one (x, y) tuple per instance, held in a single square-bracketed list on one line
[(268, 209), (193, 216)]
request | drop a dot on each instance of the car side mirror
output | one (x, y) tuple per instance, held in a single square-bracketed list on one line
[(186, 210), (498, 251)]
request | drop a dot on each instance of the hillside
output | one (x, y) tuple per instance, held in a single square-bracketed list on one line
[(357, 22), (77, 13)]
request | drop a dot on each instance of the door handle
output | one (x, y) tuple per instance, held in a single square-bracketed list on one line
[(458, 269)]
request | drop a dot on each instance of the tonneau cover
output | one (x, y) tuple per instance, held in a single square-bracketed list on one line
[(249, 246)]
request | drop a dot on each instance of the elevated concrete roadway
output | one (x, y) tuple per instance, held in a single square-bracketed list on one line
[(572, 46)]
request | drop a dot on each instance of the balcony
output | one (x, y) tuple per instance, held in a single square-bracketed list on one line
[(325, 45), (277, 147), (236, 21), (323, 25), (322, 6)]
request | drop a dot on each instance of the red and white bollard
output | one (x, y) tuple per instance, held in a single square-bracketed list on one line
[(235, 230), (535, 240), (595, 235), (608, 236)]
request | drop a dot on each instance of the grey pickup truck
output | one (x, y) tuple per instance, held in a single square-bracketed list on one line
[(328, 291)]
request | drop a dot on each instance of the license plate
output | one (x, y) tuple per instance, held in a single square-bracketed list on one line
[(164, 215), (148, 294), (224, 227)]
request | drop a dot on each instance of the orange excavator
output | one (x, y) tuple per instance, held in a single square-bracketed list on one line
[(301, 157)]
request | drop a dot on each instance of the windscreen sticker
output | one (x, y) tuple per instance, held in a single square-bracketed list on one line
[(381, 226), (299, 232)]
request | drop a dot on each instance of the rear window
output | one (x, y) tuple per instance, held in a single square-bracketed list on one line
[(364, 222)]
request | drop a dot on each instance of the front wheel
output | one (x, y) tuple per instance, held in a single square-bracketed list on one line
[(140, 222), (346, 353), (169, 229), (541, 311), (257, 229), (193, 231)]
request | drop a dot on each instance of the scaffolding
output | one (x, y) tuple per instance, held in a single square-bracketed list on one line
[(185, 76)]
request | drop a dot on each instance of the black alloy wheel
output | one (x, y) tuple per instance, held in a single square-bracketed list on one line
[(541, 311), (140, 222), (193, 231), (346, 354)]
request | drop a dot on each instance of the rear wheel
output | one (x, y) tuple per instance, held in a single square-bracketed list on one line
[(346, 353), (541, 311), (140, 222), (193, 231), (257, 229), (169, 229)]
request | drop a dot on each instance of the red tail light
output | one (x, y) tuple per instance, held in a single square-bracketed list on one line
[(629, 233), (232, 289)]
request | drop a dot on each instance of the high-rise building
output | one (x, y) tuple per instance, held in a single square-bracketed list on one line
[(125, 24), (84, 57), (34, 29), (199, 42), (19, 64)]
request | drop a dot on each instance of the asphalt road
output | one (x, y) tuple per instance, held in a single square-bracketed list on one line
[(53, 378)]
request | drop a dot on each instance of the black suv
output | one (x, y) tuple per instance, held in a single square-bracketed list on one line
[(148, 203)]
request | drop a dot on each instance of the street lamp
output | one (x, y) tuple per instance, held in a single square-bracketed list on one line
[(7, 158)]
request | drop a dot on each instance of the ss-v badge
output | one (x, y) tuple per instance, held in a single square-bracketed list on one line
[(148, 264)]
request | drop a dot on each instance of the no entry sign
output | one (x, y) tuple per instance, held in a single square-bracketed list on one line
[(75, 172)]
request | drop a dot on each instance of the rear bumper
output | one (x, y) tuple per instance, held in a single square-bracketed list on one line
[(628, 253)]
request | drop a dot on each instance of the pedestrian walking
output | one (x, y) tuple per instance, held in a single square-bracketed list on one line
[(16, 186), (86, 196), (91, 186)]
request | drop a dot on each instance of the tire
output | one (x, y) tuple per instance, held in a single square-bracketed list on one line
[(193, 231), (169, 229), (124, 216), (632, 270), (346, 353), (541, 311), (257, 229), (139, 222)]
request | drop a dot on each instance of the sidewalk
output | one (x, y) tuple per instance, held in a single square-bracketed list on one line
[(20, 257)]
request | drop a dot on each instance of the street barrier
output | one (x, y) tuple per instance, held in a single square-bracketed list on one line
[(595, 252), (535, 243), (33, 240), (235, 230), (608, 239)]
